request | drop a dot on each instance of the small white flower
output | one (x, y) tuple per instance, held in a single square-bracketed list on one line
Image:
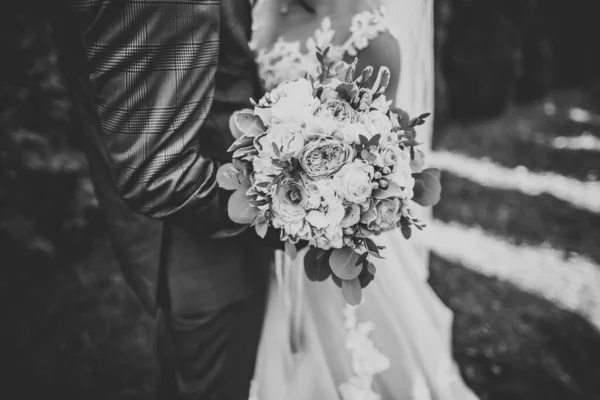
[(381, 104), (350, 133), (293, 101), (377, 123)]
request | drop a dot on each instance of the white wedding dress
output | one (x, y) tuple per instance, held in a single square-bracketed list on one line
[(397, 344)]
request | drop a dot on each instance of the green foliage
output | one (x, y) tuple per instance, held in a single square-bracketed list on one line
[(45, 194), (492, 53)]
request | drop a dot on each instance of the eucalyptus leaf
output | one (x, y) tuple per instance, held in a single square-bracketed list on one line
[(261, 228), (365, 277), (264, 114), (343, 263), (364, 140), (371, 246), (250, 124), (239, 209), (362, 258), (374, 141), (351, 70), (227, 177), (406, 231), (368, 156), (352, 291), (245, 152), (316, 264), (290, 249), (371, 268), (241, 142), (427, 189), (392, 190)]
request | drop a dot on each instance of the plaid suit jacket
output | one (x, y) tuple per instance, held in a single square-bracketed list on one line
[(156, 82)]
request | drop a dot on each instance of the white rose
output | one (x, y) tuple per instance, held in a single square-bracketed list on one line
[(349, 133), (287, 136), (323, 157), (390, 156), (321, 193), (387, 214), (320, 125), (293, 101), (353, 181), (300, 88), (328, 217), (288, 205), (340, 110), (351, 215), (377, 122), (389, 139), (313, 194)]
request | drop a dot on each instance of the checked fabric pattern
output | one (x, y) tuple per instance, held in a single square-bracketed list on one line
[(152, 67)]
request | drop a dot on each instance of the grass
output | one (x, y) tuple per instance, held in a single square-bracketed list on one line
[(512, 345), (510, 140), (532, 220)]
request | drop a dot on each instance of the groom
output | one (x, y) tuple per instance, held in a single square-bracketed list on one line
[(155, 82)]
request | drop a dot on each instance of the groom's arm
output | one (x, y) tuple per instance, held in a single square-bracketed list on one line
[(152, 69)]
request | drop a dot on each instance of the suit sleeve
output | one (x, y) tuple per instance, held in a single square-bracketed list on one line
[(152, 66)]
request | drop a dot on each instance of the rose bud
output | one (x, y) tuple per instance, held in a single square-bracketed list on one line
[(377, 175), (386, 170), (375, 185), (383, 183)]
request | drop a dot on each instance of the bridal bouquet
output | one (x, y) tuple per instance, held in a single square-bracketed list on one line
[(328, 161)]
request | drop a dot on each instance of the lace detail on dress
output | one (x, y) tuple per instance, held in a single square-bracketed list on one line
[(367, 360), (290, 60)]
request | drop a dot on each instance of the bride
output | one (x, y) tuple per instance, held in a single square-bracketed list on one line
[(397, 343)]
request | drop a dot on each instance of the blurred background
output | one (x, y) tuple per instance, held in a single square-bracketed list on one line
[(517, 249)]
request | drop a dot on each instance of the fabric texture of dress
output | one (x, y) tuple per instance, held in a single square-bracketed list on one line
[(397, 343)]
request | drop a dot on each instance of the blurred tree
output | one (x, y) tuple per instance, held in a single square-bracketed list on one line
[(492, 52), (45, 194)]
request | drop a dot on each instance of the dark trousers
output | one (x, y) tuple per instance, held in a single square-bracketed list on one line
[(211, 355)]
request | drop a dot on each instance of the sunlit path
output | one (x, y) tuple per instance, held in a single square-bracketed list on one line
[(585, 195), (573, 282)]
